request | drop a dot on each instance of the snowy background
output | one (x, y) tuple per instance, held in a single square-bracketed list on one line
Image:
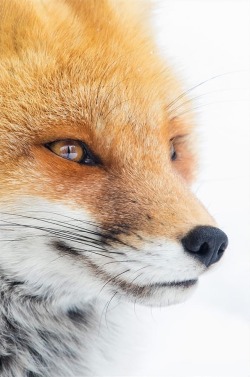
[(209, 335)]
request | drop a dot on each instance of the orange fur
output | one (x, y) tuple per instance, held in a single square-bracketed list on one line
[(89, 70)]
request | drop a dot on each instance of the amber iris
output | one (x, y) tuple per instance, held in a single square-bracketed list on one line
[(72, 150)]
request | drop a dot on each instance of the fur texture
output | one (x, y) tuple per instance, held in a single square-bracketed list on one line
[(75, 237)]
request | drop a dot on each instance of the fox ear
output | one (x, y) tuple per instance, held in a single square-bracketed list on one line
[(123, 11), (139, 7), (15, 21)]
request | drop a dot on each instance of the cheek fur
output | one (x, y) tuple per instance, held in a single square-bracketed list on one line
[(131, 203), (186, 166)]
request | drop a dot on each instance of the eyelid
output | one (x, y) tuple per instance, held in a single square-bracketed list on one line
[(178, 137)]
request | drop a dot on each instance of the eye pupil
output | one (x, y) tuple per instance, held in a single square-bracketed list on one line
[(71, 153), (68, 150)]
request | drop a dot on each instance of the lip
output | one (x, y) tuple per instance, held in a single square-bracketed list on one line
[(149, 289), (157, 294), (175, 284), (138, 290), (127, 286)]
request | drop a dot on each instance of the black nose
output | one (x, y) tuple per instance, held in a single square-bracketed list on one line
[(206, 243)]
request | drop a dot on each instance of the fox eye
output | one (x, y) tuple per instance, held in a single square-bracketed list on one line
[(173, 153), (73, 150)]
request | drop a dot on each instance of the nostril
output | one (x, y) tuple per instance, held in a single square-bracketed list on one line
[(204, 248), (205, 243), (222, 248)]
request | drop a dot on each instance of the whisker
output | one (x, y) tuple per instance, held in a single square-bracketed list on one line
[(204, 105), (195, 87), (87, 241), (107, 306), (103, 237), (109, 93), (122, 261), (193, 99), (88, 222), (105, 73), (113, 278), (135, 301), (102, 314), (83, 251), (131, 282), (117, 105), (55, 222)]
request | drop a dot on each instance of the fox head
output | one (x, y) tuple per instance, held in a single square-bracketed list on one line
[(97, 157)]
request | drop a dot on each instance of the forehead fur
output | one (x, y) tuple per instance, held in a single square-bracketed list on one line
[(63, 62)]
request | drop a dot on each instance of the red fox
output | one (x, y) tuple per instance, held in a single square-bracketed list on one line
[(95, 174)]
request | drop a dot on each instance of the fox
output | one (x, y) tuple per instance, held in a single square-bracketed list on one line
[(98, 155)]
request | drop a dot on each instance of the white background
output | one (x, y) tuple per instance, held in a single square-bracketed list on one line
[(209, 335)]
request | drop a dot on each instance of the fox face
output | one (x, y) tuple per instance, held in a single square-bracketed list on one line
[(97, 157)]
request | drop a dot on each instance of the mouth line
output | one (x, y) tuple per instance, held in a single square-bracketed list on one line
[(149, 289), (175, 284), (131, 288)]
